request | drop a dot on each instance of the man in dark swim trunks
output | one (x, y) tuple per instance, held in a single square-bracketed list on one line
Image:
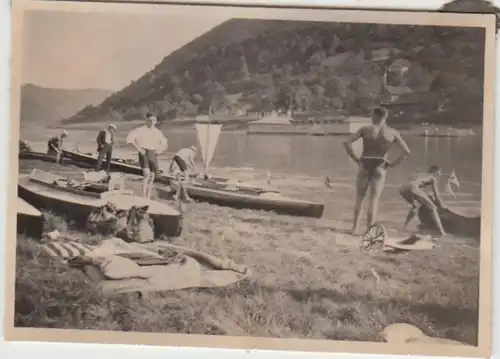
[(149, 142), (184, 159), (413, 193), (377, 139)]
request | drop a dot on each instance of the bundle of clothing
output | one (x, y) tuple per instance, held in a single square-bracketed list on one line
[(132, 225)]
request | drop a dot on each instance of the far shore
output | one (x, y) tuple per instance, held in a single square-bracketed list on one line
[(411, 129)]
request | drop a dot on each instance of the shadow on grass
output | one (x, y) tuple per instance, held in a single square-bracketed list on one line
[(446, 319)]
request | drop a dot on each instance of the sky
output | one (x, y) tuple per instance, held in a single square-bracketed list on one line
[(107, 51)]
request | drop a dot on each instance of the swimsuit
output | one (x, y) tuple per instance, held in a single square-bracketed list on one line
[(370, 164), (149, 160), (181, 163)]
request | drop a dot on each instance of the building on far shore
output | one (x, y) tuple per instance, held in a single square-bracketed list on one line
[(276, 124)]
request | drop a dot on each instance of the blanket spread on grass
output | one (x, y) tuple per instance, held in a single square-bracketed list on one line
[(121, 267)]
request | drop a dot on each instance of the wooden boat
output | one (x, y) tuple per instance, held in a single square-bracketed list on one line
[(453, 223), (240, 195), (77, 200), (30, 221), (91, 160), (122, 165), (44, 157)]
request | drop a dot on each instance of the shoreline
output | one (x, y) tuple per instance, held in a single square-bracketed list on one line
[(189, 128)]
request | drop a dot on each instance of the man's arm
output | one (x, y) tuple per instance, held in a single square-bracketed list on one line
[(192, 164), (132, 140), (404, 148), (435, 190), (163, 143), (348, 144)]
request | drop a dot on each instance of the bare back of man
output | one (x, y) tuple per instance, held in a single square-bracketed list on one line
[(377, 139)]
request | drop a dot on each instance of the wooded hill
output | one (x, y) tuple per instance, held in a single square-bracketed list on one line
[(47, 106), (313, 67)]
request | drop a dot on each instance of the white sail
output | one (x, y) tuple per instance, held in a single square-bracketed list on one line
[(208, 136)]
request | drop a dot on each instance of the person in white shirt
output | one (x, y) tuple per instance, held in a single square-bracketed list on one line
[(184, 159), (149, 142)]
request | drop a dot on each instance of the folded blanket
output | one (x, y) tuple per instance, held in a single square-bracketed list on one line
[(186, 268)]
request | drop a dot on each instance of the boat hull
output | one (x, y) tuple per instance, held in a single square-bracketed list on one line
[(44, 157), (271, 202), (453, 222), (30, 221), (91, 161), (77, 207)]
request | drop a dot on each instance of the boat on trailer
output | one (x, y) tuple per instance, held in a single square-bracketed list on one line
[(76, 200)]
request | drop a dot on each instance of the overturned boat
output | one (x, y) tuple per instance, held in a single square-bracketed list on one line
[(453, 222), (76, 200)]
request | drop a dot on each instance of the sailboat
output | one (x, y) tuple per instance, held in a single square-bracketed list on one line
[(207, 134), (236, 194)]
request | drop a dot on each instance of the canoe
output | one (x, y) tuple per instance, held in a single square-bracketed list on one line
[(30, 221), (78, 200), (121, 165), (91, 160), (44, 157), (239, 195), (453, 223)]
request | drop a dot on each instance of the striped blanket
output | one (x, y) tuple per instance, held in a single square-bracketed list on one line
[(66, 250)]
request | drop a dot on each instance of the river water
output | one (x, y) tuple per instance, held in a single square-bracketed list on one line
[(299, 164)]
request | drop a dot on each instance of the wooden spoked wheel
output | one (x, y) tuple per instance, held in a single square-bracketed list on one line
[(374, 236)]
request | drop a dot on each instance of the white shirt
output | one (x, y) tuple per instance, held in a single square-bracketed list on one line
[(187, 154), (148, 138)]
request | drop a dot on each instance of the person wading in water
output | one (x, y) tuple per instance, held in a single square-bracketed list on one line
[(377, 139)]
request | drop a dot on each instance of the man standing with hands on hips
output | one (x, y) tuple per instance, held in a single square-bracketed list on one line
[(149, 142)]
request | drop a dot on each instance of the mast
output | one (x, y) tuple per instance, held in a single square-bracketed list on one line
[(206, 140)]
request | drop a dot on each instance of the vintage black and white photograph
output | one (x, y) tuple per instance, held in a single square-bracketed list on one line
[(238, 175)]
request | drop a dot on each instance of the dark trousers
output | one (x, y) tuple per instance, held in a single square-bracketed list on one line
[(105, 153)]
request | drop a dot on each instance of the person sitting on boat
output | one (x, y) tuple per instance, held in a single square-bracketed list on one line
[(149, 142), (54, 145), (412, 192), (105, 142), (184, 159), (377, 139)]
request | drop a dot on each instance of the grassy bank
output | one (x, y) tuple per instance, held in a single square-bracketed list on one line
[(310, 281)]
